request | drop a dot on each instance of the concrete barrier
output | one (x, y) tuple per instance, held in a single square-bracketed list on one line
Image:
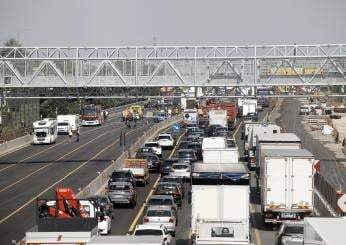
[(15, 144), (99, 184)]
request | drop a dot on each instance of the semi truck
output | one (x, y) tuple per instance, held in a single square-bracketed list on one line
[(220, 204), (275, 141), (216, 150), (286, 184)]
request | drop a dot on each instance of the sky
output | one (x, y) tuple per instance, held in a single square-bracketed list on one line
[(167, 22)]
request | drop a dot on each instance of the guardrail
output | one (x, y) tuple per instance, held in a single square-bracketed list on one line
[(100, 182)]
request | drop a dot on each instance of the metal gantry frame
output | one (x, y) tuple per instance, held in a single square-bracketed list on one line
[(174, 66)]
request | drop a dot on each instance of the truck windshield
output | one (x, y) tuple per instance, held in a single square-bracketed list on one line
[(63, 124), (87, 111), (41, 132)]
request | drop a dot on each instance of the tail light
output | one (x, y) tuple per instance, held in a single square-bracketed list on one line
[(171, 219), (145, 219), (174, 208), (176, 194)]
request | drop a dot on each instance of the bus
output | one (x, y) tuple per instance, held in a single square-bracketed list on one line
[(45, 131)]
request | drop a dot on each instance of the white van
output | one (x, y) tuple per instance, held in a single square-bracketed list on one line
[(45, 131)]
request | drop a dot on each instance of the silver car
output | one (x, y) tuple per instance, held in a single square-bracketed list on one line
[(161, 216), (181, 170), (162, 201), (122, 193), (290, 233)]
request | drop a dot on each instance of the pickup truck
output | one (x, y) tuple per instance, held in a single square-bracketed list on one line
[(139, 169)]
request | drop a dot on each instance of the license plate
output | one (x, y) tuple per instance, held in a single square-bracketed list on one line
[(288, 215)]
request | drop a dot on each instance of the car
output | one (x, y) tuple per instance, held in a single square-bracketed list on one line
[(221, 132), (290, 232), (122, 176), (166, 166), (197, 148), (191, 130), (154, 230), (172, 189), (122, 193), (211, 129), (154, 162), (183, 144), (231, 143), (166, 141), (203, 124), (160, 116), (177, 180), (193, 138), (251, 117), (162, 216), (188, 155), (156, 146), (304, 110), (181, 170), (105, 203), (145, 150), (162, 201)]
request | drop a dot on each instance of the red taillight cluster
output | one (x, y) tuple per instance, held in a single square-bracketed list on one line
[(176, 194), (171, 220), (145, 219)]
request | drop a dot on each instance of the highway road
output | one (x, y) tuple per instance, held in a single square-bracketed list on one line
[(35, 171)]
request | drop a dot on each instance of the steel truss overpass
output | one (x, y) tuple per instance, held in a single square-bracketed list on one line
[(66, 68)]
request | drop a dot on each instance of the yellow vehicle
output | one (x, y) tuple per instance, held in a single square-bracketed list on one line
[(137, 110)]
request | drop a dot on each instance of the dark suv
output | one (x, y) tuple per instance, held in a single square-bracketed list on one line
[(154, 162), (122, 176)]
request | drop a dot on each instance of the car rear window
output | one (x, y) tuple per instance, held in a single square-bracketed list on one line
[(119, 187), (159, 213), (179, 166), (63, 124), (294, 230), (152, 145), (160, 201), (194, 146), (184, 154), (121, 174), (164, 137), (148, 232)]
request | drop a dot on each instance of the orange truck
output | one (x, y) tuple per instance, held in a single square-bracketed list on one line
[(230, 107), (139, 169)]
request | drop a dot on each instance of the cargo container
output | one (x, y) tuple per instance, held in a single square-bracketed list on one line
[(218, 117), (286, 184), (216, 150), (127, 240)]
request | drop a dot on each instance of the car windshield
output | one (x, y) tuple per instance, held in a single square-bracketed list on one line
[(294, 230), (169, 179), (185, 154), (160, 201), (159, 213), (148, 232), (194, 146), (183, 145), (167, 188), (152, 145)]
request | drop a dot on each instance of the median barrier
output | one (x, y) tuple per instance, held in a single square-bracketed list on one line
[(99, 184), (15, 144)]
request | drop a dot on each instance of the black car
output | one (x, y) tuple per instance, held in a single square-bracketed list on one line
[(154, 162), (105, 203), (211, 129), (122, 176), (203, 124), (183, 144), (166, 165), (193, 138), (187, 155), (197, 148)]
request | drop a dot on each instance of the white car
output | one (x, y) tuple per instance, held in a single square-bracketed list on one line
[(156, 146), (154, 230), (165, 140), (181, 170), (162, 215)]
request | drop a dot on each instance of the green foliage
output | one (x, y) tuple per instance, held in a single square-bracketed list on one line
[(53, 107)]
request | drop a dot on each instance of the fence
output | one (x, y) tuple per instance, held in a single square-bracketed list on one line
[(99, 183)]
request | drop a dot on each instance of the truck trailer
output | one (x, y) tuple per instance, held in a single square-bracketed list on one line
[(286, 184), (216, 150), (220, 204)]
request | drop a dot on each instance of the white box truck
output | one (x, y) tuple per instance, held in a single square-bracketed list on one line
[(220, 204), (275, 141), (127, 240), (286, 184), (65, 122), (218, 117), (263, 128), (216, 150), (324, 230)]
